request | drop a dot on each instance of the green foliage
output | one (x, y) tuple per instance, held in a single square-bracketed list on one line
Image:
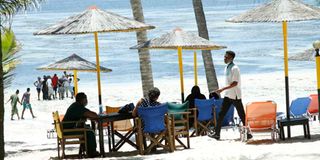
[(9, 48)]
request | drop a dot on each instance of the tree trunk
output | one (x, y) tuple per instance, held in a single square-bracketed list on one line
[(2, 153), (144, 55), (212, 81)]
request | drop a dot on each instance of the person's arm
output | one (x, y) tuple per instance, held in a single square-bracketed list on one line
[(22, 99), (233, 84), (90, 115), (235, 78), (35, 83), (135, 110), (9, 99)]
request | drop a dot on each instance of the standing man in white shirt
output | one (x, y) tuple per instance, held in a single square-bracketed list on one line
[(232, 93)]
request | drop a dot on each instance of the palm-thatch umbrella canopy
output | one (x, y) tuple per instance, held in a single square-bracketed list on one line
[(178, 40), (280, 11), (94, 20), (74, 63)]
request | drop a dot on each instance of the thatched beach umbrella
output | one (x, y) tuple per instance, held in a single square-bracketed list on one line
[(280, 11), (178, 40), (94, 20), (74, 63)]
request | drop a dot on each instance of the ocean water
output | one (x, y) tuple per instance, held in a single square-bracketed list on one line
[(258, 46)]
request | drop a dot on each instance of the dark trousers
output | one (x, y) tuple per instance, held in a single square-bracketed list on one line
[(226, 104), (91, 142)]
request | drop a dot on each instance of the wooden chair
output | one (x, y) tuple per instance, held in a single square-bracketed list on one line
[(153, 124), (69, 137), (260, 117), (205, 118), (120, 127), (179, 118)]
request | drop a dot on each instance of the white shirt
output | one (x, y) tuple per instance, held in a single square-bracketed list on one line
[(233, 75)]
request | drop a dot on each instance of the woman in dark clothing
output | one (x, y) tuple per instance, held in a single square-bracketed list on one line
[(195, 94)]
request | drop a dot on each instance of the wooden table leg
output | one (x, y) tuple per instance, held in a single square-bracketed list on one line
[(305, 130), (109, 139), (101, 140), (308, 131)]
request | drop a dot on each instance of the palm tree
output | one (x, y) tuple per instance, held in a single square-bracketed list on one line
[(7, 9), (144, 55), (212, 81)]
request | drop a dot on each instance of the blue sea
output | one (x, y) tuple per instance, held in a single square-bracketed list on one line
[(259, 46)]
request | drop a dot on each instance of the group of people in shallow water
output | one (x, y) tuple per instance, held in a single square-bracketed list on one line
[(55, 87), (232, 96)]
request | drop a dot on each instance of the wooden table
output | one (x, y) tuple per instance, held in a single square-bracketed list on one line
[(111, 117), (294, 121)]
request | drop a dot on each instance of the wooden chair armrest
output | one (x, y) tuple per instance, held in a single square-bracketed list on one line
[(68, 122), (174, 113), (192, 109), (76, 130)]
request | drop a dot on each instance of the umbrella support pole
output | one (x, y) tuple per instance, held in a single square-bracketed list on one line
[(75, 81), (285, 49), (318, 79), (195, 68), (98, 66), (181, 73)]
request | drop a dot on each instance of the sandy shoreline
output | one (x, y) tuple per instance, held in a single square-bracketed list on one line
[(27, 139)]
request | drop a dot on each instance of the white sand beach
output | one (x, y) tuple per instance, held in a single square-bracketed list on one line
[(26, 139)]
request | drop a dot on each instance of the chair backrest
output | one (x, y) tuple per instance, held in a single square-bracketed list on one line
[(110, 109), (153, 118), (228, 119), (175, 108), (261, 115), (314, 104), (299, 106), (57, 124), (205, 109), (123, 125)]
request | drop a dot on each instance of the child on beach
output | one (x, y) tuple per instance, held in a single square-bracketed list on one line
[(26, 103), (14, 100)]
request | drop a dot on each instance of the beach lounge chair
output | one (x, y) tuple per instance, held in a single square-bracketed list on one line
[(229, 121), (69, 137), (179, 117), (260, 117), (314, 106), (153, 124), (205, 119), (298, 108), (122, 129)]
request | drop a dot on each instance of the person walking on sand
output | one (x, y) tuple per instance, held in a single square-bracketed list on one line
[(26, 103), (232, 93), (14, 100), (38, 85)]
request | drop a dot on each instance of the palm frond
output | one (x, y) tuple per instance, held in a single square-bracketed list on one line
[(10, 7), (9, 47)]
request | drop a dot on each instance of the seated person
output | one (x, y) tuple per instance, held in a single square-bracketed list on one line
[(77, 112), (195, 94), (151, 100)]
